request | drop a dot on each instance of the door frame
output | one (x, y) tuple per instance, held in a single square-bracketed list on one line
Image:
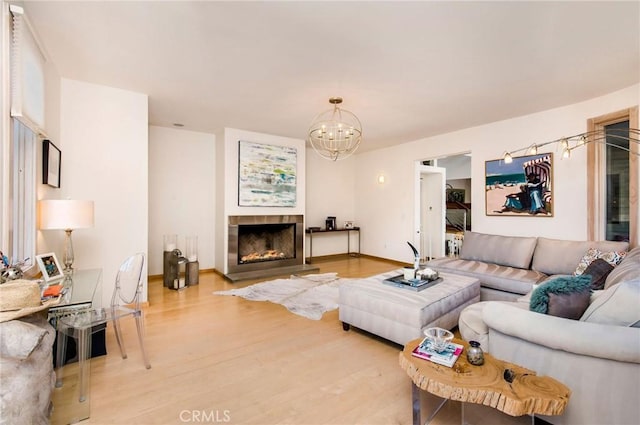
[(421, 169)]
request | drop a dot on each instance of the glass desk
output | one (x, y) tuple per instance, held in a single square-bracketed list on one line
[(82, 291)]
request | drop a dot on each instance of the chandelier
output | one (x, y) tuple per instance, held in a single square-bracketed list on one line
[(336, 133), (626, 140)]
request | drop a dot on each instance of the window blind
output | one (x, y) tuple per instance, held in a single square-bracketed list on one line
[(27, 73)]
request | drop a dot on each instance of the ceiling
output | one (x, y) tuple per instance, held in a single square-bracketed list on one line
[(408, 70)]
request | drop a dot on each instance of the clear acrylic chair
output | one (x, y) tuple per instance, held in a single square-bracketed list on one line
[(125, 301)]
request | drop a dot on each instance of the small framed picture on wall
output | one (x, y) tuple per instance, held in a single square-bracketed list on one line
[(51, 163)]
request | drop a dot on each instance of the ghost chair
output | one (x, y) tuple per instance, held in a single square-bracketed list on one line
[(125, 301)]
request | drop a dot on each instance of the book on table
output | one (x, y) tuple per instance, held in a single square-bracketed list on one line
[(448, 357)]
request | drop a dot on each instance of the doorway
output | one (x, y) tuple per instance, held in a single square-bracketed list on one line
[(430, 211), (438, 218)]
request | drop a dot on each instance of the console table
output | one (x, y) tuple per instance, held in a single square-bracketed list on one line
[(311, 232)]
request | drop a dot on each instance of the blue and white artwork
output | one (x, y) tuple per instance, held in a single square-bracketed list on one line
[(266, 175)]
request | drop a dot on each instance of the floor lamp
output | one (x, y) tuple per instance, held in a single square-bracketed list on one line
[(67, 215)]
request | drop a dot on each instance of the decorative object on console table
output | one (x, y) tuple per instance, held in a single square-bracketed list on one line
[(51, 164), (266, 175), (67, 215), (348, 225), (330, 223), (523, 186)]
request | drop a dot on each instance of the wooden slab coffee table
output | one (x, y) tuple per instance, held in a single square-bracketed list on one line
[(528, 394)]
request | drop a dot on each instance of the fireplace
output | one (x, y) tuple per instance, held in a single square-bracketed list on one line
[(264, 242)]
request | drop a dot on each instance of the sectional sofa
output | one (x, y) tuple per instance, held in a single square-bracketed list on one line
[(509, 266), (597, 356)]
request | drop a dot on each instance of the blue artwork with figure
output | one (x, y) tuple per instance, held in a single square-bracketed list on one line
[(523, 186), (266, 175)]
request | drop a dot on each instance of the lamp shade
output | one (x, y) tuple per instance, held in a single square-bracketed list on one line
[(65, 214)]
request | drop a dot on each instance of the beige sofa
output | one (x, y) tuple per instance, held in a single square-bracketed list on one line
[(598, 356), (509, 266)]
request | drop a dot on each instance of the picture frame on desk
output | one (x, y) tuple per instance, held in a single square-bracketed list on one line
[(49, 266)]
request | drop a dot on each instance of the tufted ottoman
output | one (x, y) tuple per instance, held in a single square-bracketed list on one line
[(400, 315)]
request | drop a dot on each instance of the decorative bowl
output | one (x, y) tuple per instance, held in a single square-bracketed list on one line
[(428, 274), (439, 338)]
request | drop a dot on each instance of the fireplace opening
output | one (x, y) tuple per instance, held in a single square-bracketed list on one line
[(266, 242)]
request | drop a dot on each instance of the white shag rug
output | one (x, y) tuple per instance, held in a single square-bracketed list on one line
[(309, 295)]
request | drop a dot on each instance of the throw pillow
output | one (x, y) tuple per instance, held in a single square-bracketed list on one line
[(565, 296), (599, 269), (613, 257)]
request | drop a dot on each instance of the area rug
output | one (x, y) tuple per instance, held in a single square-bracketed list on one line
[(309, 295)]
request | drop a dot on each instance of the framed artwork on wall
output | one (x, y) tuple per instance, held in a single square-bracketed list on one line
[(51, 163), (522, 187), (266, 175), (455, 195)]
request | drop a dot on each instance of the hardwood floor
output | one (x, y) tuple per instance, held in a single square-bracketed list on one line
[(222, 359)]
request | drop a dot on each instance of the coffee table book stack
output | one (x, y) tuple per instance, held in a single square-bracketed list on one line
[(447, 357)]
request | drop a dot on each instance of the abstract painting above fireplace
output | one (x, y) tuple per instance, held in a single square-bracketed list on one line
[(266, 175)]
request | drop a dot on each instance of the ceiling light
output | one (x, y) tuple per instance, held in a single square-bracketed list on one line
[(567, 144), (336, 133)]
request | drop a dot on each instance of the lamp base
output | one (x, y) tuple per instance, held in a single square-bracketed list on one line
[(68, 254)]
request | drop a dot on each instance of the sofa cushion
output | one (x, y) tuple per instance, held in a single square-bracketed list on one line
[(512, 251), (612, 257), (599, 269), (556, 256), (617, 305), (566, 296), (502, 278), (628, 269)]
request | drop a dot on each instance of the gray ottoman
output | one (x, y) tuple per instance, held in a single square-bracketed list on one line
[(401, 315)]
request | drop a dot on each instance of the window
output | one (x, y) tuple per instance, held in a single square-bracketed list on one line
[(22, 195), (612, 173), (26, 72)]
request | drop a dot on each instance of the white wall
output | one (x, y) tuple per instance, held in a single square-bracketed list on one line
[(181, 192), (386, 213), (227, 187), (104, 143), (330, 189)]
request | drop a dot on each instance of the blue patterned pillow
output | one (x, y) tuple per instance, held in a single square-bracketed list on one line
[(564, 296)]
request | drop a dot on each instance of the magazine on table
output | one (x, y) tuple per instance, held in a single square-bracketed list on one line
[(448, 357)]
